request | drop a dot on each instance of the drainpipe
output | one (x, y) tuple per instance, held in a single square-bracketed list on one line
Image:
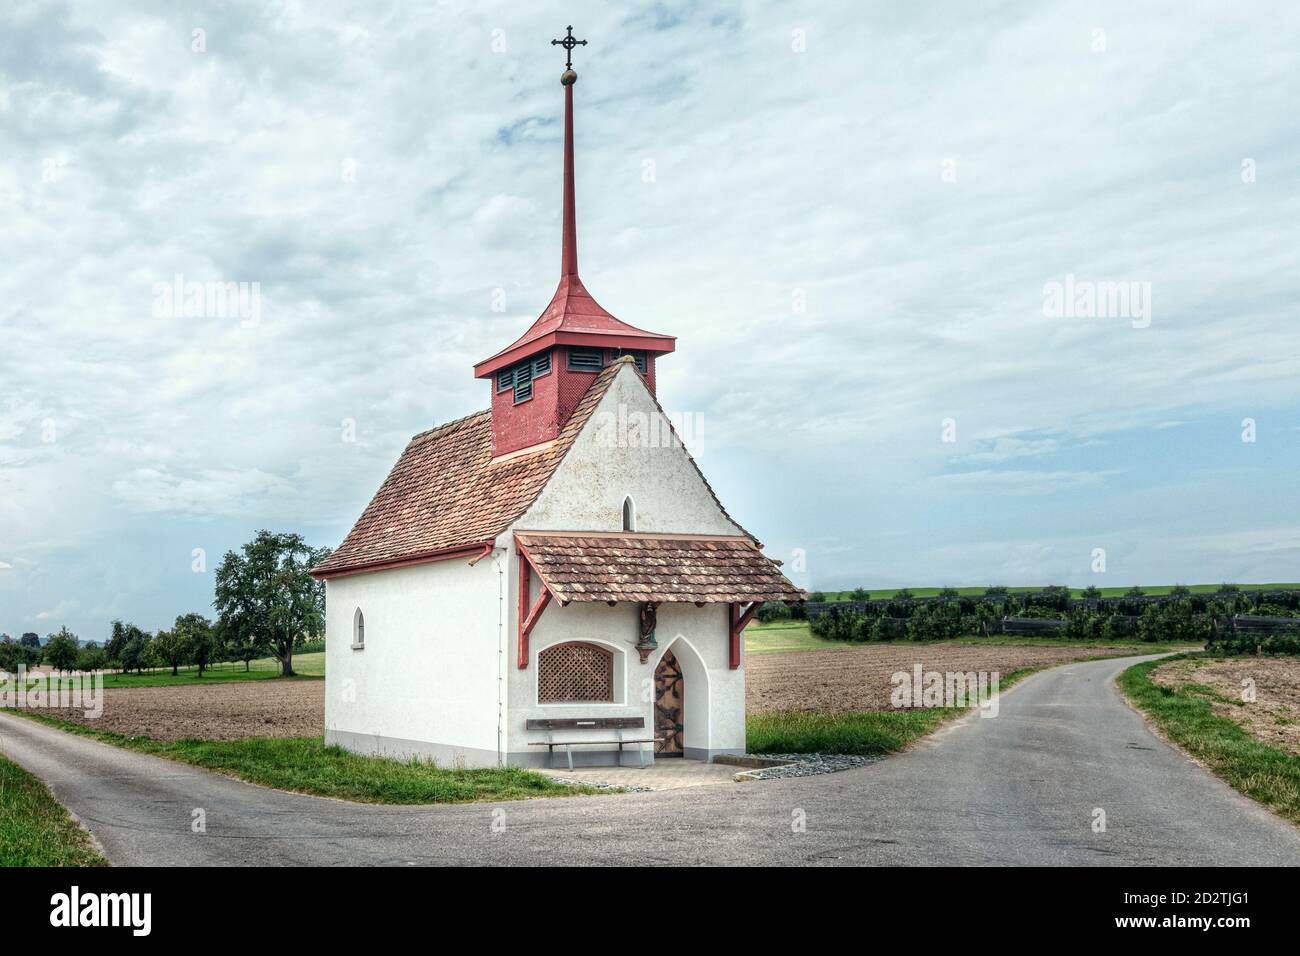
[(498, 560)]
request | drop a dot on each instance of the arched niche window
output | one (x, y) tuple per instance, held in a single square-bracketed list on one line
[(358, 630), (629, 514), (576, 672)]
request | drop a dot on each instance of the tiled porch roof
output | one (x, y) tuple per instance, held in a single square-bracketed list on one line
[(587, 566)]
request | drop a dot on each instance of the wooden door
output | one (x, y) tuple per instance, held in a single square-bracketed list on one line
[(669, 704)]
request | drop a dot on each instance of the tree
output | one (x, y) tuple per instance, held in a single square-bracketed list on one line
[(92, 658), (122, 635), (61, 650), (200, 640), (266, 598), (135, 653), (30, 639), (245, 653), (169, 648), (9, 654)]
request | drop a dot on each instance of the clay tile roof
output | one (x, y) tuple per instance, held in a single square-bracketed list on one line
[(586, 566), (446, 493)]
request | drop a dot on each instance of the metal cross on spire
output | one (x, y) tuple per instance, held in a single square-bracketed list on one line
[(568, 43)]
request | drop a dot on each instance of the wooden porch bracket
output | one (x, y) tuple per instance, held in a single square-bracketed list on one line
[(527, 616), (739, 621)]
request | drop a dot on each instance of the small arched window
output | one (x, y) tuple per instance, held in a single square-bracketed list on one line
[(629, 514), (575, 673), (358, 630)]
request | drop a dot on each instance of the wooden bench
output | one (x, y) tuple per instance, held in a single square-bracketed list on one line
[(619, 724)]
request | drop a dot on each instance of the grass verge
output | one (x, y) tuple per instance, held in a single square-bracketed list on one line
[(306, 765), (35, 830), (1186, 717), (867, 733)]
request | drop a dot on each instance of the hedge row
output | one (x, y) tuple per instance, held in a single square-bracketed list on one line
[(1187, 619)]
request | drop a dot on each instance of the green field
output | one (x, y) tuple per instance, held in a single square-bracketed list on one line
[(1186, 717), (784, 636), (35, 830), (1155, 589), (308, 666)]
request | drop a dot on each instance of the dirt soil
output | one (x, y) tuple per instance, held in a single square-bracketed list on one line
[(857, 678), (258, 708), (1274, 715)]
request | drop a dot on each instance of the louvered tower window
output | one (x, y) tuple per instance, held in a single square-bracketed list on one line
[(586, 360), (520, 377)]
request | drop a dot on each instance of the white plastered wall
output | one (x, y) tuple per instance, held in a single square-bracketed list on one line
[(429, 677)]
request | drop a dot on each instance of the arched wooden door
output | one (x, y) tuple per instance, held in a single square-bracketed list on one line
[(670, 703)]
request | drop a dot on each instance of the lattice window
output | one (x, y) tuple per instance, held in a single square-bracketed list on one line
[(573, 673)]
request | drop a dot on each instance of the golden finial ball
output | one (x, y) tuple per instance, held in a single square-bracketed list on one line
[(568, 78)]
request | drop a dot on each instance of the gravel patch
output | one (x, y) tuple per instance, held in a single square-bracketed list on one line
[(610, 787), (809, 765)]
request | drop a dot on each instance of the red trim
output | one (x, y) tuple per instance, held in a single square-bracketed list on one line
[(738, 621), (528, 618), (487, 549), (648, 341), (477, 551), (543, 599)]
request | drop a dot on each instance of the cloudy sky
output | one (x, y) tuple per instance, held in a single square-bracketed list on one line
[(851, 215)]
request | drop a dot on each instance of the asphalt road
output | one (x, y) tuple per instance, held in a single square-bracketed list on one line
[(1019, 788)]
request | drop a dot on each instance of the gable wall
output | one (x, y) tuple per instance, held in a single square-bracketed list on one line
[(613, 458)]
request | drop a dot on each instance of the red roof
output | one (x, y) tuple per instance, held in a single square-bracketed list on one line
[(575, 318), (447, 495), (632, 567)]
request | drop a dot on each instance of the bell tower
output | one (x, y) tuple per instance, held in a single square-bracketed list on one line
[(538, 379)]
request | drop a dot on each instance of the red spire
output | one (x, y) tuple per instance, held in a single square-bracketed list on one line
[(569, 252), (573, 317)]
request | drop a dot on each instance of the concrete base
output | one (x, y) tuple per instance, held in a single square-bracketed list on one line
[(700, 753), (539, 758), (452, 756), (444, 755)]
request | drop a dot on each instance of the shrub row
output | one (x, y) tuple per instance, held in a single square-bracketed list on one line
[(1176, 620)]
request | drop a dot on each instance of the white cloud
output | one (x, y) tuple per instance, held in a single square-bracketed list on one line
[(379, 193), (1025, 482)]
